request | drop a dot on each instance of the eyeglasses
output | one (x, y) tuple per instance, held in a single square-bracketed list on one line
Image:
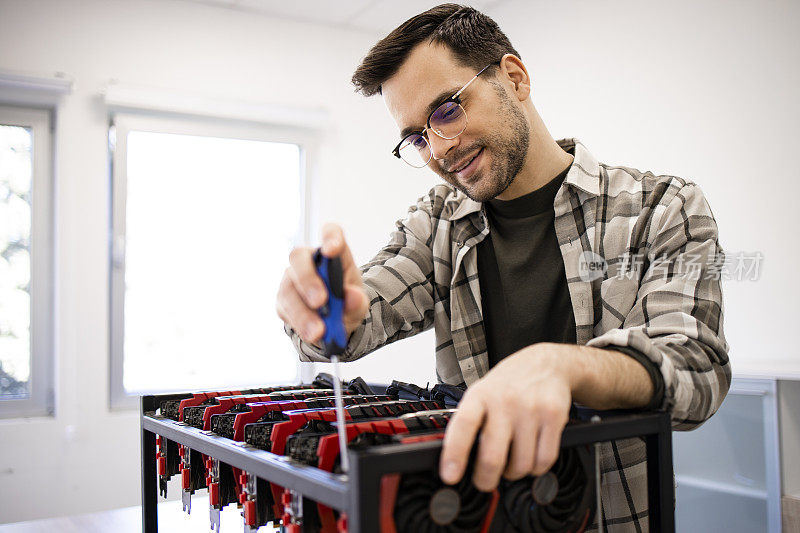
[(448, 121)]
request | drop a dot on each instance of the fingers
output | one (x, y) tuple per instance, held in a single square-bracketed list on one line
[(333, 245), (534, 450), (458, 439), (356, 305), (514, 442), (492, 452), (355, 300), (523, 449), (332, 239), (293, 310), (304, 277), (548, 447), (302, 291)]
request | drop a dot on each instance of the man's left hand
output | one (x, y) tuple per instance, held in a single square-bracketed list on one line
[(522, 406)]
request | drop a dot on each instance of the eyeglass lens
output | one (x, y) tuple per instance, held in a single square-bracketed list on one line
[(448, 121), (415, 150)]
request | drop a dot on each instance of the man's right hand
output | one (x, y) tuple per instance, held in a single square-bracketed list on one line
[(302, 291)]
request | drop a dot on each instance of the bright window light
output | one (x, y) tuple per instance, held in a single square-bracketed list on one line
[(15, 264), (209, 224)]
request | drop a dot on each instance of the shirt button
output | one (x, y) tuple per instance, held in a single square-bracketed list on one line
[(459, 243)]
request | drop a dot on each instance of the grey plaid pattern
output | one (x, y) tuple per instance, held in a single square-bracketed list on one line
[(427, 276)]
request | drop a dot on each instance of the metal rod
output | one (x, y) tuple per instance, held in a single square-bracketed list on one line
[(149, 486), (597, 482), (337, 394), (661, 492)]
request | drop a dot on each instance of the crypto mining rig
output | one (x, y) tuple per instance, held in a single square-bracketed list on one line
[(272, 454)]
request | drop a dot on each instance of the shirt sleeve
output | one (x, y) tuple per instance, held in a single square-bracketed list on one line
[(676, 321), (399, 285)]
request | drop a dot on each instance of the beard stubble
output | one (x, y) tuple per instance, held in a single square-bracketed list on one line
[(508, 151)]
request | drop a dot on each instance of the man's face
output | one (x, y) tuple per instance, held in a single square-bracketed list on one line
[(482, 161)]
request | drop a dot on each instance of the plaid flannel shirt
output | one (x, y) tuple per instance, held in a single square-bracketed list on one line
[(658, 295)]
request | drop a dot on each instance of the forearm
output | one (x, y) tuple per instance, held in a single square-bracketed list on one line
[(603, 379)]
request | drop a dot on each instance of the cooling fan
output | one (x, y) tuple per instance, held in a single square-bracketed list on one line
[(561, 500), (420, 502)]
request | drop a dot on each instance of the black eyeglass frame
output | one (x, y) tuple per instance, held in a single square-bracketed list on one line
[(456, 98)]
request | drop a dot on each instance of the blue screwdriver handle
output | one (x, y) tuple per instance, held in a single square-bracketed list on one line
[(334, 341)]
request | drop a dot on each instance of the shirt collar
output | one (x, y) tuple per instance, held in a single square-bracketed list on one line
[(465, 207), (584, 174)]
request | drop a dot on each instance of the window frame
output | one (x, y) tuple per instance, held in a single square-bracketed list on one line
[(120, 124), (41, 401)]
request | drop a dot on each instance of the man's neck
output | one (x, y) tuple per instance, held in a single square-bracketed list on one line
[(543, 163)]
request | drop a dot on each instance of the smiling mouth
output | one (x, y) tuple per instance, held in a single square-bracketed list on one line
[(466, 163), (468, 171)]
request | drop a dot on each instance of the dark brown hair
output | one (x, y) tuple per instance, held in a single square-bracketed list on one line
[(475, 39)]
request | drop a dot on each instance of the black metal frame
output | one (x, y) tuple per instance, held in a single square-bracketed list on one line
[(357, 493)]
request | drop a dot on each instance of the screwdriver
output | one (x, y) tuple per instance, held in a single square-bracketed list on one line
[(334, 340)]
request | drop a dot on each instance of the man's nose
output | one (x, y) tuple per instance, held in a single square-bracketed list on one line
[(440, 146)]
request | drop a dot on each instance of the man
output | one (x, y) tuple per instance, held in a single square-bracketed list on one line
[(506, 262)]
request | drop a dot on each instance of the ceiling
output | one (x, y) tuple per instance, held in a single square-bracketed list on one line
[(376, 16)]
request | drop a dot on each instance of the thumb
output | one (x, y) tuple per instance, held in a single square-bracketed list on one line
[(332, 239), (334, 244), (356, 305)]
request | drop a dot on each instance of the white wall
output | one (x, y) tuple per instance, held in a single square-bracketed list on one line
[(700, 90)]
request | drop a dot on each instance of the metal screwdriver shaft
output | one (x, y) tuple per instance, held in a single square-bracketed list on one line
[(334, 340), (337, 391)]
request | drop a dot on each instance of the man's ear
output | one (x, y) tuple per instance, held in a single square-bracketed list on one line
[(513, 72)]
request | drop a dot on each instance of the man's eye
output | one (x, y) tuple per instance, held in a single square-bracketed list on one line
[(447, 113)]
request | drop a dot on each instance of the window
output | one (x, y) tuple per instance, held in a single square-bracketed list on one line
[(26, 385), (204, 215)]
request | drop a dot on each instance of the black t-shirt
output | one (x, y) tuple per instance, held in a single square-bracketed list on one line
[(524, 291)]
